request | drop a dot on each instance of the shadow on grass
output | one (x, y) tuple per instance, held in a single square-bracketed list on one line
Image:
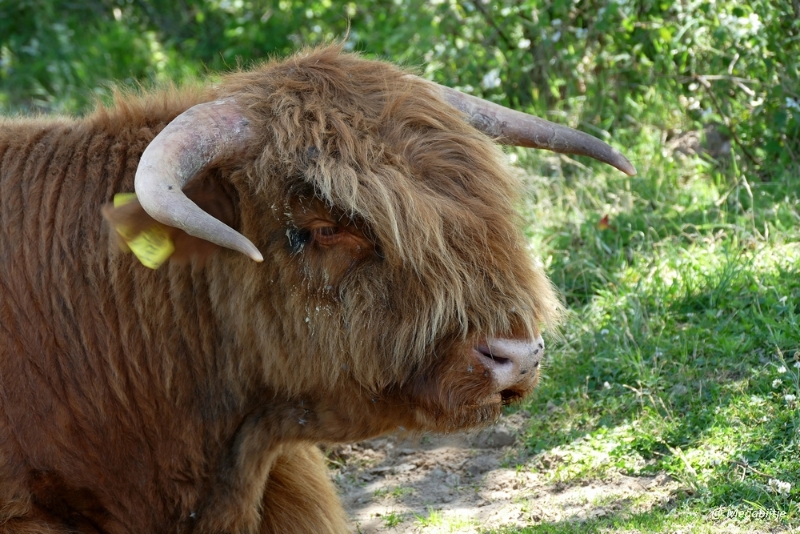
[(686, 368)]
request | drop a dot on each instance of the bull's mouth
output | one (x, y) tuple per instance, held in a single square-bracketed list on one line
[(504, 398), (510, 396)]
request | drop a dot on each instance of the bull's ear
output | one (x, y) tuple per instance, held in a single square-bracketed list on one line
[(128, 220)]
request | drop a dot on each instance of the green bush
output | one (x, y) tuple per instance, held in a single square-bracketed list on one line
[(603, 66)]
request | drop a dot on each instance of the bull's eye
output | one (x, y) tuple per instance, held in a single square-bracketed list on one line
[(297, 239), (328, 235)]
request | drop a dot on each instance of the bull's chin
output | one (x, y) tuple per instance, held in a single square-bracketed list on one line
[(485, 410), (463, 417), (506, 397)]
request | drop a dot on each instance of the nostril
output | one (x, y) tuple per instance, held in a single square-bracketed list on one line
[(484, 351)]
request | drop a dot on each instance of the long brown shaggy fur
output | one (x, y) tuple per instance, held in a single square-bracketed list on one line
[(188, 399)]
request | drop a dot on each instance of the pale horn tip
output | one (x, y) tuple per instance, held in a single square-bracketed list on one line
[(246, 247), (256, 256), (625, 166)]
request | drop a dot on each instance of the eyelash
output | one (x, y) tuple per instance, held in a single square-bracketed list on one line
[(327, 235)]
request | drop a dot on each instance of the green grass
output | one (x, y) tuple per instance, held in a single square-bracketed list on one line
[(397, 492), (682, 519), (681, 352), (443, 523), (392, 519), (433, 519), (648, 522)]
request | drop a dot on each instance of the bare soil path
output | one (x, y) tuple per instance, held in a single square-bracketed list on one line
[(469, 482)]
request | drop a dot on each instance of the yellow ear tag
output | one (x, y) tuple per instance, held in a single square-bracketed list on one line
[(151, 246)]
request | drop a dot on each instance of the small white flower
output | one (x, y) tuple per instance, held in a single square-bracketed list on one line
[(782, 369), (491, 79), (606, 385), (604, 332), (779, 486), (755, 22), (796, 365), (789, 398), (777, 383), (524, 43)]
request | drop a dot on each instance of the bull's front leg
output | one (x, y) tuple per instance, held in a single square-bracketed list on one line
[(272, 479), (299, 497)]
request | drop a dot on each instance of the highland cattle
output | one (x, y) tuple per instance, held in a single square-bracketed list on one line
[(339, 258)]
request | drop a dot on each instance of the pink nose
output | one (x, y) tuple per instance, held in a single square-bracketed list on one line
[(510, 360)]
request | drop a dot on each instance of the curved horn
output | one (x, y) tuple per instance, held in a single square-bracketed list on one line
[(520, 129), (197, 138)]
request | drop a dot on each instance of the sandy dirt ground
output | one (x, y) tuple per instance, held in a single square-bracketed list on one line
[(471, 482)]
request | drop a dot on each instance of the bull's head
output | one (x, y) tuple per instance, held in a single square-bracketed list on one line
[(394, 273)]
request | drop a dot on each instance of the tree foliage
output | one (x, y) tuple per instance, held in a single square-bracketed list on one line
[(601, 65)]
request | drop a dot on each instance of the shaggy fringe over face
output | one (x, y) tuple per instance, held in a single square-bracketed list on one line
[(435, 196)]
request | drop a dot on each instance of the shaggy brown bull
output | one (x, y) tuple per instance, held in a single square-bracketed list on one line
[(395, 291)]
